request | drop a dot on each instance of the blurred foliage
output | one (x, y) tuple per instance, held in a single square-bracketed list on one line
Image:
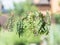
[(26, 25), (22, 8), (59, 2), (57, 18)]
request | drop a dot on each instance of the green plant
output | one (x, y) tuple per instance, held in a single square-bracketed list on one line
[(20, 28), (10, 23), (27, 23)]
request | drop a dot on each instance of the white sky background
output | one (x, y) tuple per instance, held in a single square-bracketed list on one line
[(8, 4)]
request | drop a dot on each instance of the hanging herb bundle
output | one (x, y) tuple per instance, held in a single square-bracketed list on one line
[(34, 21), (45, 22), (20, 28), (42, 27)]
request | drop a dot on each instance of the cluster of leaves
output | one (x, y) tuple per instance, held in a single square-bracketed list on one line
[(28, 22), (20, 28), (11, 22), (34, 22), (30, 26)]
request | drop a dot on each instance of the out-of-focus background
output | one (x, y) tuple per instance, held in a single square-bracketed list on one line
[(29, 22)]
